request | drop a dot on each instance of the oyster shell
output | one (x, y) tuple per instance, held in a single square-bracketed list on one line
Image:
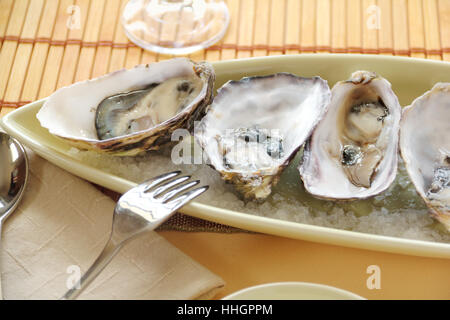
[(255, 126), (425, 148), (130, 111), (352, 153)]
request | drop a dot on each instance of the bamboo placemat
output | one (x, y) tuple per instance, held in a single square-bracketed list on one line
[(45, 45)]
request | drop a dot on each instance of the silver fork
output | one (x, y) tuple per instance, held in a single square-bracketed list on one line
[(141, 209)]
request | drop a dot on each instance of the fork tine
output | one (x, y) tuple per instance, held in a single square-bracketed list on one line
[(185, 198), (166, 186), (147, 185), (179, 189)]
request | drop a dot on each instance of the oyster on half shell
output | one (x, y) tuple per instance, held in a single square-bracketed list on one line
[(255, 126), (352, 153), (425, 148), (130, 111)]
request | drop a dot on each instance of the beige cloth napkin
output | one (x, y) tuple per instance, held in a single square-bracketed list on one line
[(60, 227)]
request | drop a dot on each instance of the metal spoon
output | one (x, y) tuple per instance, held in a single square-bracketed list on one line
[(13, 177)]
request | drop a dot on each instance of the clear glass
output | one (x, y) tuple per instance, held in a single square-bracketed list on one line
[(175, 26)]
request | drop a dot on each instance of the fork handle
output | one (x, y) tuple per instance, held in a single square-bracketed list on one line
[(109, 251)]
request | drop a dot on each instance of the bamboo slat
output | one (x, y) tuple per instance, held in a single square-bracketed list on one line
[(308, 28), (133, 57), (212, 55), (56, 52), (90, 39), (230, 39), (293, 10), (73, 46), (416, 29), (42, 49), (261, 36), (277, 26), (23, 52), (369, 26), (123, 55), (40, 52), (354, 35), (9, 47), (246, 25), (444, 19), (386, 38), (16, 18), (109, 27), (338, 29), (323, 26), (5, 10), (196, 56), (400, 33), (149, 57), (431, 23)]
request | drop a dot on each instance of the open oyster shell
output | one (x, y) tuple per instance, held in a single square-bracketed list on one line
[(425, 148), (130, 111), (255, 126), (352, 153)]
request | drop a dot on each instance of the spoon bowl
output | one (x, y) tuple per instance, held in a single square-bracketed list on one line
[(13, 176)]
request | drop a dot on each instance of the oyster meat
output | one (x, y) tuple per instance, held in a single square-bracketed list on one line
[(255, 126), (130, 111), (425, 148), (134, 111), (352, 153)]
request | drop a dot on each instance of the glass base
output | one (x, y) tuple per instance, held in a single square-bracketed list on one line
[(175, 27)]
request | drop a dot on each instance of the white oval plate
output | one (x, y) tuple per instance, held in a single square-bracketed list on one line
[(410, 78), (292, 291)]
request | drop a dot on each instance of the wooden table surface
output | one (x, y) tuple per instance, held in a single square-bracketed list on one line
[(45, 45)]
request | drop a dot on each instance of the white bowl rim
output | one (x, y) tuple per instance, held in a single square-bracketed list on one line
[(343, 293)]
